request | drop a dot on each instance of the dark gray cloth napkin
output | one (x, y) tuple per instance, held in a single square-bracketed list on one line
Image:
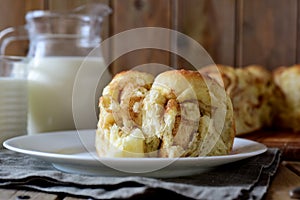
[(246, 179)]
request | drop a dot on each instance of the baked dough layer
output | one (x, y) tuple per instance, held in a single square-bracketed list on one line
[(251, 92), (287, 97), (180, 113)]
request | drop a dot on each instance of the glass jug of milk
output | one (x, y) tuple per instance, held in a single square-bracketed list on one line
[(60, 42)]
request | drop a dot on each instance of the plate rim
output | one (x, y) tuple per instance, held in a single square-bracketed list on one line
[(7, 144)]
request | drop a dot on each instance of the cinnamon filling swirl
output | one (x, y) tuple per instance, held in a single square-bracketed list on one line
[(169, 116)]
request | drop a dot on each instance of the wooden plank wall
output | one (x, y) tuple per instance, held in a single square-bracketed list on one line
[(12, 13), (212, 24), (267, 32), (130, 14), (234, 32)]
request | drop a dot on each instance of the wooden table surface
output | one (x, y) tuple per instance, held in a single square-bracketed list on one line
[(286, 178)]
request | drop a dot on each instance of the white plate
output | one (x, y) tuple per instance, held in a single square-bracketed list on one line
[(74, 152)]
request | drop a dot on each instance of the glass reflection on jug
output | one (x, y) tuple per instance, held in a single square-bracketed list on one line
[(59, 43)]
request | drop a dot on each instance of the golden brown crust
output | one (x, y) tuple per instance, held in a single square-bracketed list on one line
[(287, 97), (181, 114), (250, 90), (192, 103)]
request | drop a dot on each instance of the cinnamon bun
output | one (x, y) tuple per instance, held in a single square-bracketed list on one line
[(180, 113), (250, 89), (287, 102)]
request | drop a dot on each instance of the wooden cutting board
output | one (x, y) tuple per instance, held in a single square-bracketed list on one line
[(287, 141)]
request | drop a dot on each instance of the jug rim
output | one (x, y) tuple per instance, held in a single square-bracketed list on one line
[(12, 58), (49, 13)]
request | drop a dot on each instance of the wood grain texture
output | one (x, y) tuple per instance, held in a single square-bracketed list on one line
[(10, 194), (293, 166), (35, 5), (298, 34), (130, 14), (283, 182), (13, 14), (268, 32), (65, 4), (212, 24), (287, 141)]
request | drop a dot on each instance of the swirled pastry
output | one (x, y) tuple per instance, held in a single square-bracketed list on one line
[(178, 114), (189, 110), (250, 89), (119, 131), (287, 103)]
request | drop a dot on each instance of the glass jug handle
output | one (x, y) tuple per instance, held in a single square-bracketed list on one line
[(11, 34)]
